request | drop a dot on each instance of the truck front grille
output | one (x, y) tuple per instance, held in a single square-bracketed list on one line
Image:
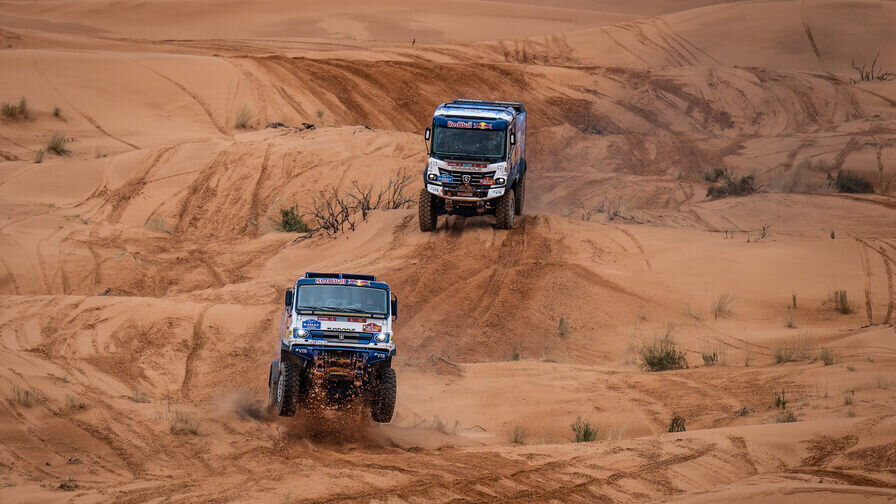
[(344, 337), (474, 188)]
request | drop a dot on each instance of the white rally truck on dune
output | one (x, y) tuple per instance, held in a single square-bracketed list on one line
[(477, 162), (335, 346)]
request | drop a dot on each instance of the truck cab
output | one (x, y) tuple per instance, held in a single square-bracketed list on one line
[(477, 162), (335, 345)]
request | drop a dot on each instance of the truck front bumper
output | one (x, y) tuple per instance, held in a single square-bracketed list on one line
[(315, 349), (493, 193)]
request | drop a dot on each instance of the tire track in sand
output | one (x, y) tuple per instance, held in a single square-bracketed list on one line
[(199, 101), (197, 345), (93, 122), (888, 270)]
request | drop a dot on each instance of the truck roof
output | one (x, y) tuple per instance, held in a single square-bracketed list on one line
[(481, 109), (354, 279)]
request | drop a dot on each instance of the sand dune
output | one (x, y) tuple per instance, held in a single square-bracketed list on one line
[(141, 274)]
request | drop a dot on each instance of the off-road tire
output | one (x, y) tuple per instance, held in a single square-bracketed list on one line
[(427, 209), (520, 196), (287, 391), (504, 210), (383, 405), (272, 387)]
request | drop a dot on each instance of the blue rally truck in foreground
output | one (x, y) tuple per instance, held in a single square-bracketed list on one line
[(335, 346), (477, 162)]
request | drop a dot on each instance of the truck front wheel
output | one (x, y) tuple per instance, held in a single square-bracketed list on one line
[(505, 210), (427, 209), (383, 404), (287, 389)]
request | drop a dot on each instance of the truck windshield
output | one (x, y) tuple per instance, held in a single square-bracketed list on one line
[(468, 143), (342, 298)]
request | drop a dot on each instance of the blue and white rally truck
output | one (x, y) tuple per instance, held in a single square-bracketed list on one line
[(477, 162), (335, 346)]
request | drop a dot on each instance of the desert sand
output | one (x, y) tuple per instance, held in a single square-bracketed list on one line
[(141, 274)]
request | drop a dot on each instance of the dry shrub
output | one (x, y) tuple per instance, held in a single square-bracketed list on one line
[(728, 184), (22, 397), (795, 349), (677, 424), (56, 144), (15, 111), (827, 356), (662, 354), (182, 423), (583, 431), (721, 305), (840, 300), (243, 118), (871, 74), (291, 221), (518, 434)]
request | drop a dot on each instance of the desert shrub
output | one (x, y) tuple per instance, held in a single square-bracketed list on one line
[(563, 328), (39, 156), (69, 485), (140, 397), (848, 182), (518, 434), (788, 320), (715, 174), (871, 74), (75, 403), (158, 224), (710, 359), (849, 397), (840, 300), (182, 423), (583, 431), (826, 356), (57, 112), (9, 111), (16, 111), (795, 349), (677, 424), (243, 118), (780, 400), (721, 305), (515, 353), (320, 113), (56, 144), (662, 354), (786, 417), (291, 221), (728, 184), (22, 397)]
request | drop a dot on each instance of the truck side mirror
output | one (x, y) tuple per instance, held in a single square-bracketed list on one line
[(427, 134), (394, 307), (288, 298), (513, 139)]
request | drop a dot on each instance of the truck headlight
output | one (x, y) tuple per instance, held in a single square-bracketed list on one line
[(500, 181), (301, 333), (381, 337), (432, 177)]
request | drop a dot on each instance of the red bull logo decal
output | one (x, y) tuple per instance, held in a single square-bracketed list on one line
[(483, 125), (460, 124)]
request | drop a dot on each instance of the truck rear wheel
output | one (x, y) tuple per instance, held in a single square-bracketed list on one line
[(287, 389), (383, 405), (520, 196), (504, 211), (427, 209)]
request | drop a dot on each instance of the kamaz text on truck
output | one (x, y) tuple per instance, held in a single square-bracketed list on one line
[(477, 162), (335, 346)]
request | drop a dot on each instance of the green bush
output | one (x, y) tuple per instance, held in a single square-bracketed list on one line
[(848, 182), (583, 431), (291, 220), (662, 355)]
